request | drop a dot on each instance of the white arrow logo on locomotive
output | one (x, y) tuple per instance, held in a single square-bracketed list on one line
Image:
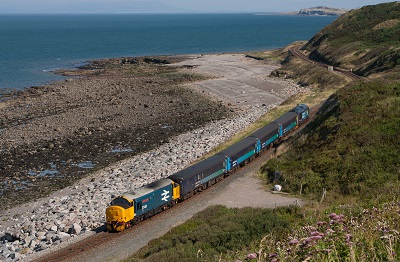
[(165, 195)]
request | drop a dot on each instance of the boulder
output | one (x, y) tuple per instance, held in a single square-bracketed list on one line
[(62, 236), (15, 256), (32, 243), (75, 229), (41, 235)]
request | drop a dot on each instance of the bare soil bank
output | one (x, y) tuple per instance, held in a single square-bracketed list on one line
[(52, 136)]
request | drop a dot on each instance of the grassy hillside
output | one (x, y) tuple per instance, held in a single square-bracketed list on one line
[(216, 231), (365, 40), (351, 149)]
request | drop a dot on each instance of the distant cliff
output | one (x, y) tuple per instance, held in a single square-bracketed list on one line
[(365, 40), (322, 10)]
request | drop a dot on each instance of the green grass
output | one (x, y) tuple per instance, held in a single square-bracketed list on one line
[(351, 147), (335, 234), (365, 40), (218, 230)]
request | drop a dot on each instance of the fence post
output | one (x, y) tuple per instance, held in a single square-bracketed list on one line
[(323, 194)]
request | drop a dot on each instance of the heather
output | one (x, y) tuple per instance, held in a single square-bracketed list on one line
[(355, 234), (370, 234)]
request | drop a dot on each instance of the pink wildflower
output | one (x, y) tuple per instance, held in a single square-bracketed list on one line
[(293, 242), (316, 237), (315, 233), (330, 231), (251, 256), (337, 217), (348, 237)]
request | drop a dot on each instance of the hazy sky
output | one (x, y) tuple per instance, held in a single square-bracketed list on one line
[(138, 6)]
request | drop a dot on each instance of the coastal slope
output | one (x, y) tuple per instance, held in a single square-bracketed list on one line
[(363, 40)]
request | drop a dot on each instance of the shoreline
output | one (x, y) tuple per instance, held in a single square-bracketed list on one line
[(169, 156)]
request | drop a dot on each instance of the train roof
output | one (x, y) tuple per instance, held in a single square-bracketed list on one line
[(268, 129), (146, 189), (300, 108), (233, 149), (286, 118), (198, 167)]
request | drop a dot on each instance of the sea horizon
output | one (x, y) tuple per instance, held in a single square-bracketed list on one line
[(34, 45)]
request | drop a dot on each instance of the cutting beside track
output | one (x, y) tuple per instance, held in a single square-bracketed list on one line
[(295, 51)]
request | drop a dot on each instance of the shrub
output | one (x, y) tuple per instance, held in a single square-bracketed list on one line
[(218, 230)]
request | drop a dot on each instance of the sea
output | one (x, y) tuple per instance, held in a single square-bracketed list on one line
[(33, 46)]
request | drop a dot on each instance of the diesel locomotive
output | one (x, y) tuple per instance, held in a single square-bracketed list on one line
[(134, 206)]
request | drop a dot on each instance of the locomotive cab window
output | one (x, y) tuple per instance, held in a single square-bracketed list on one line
[(122, 202), (139, 206)]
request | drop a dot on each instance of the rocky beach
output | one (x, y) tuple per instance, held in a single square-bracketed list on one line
[(67, 148)]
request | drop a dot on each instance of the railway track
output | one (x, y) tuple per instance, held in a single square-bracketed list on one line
[(100, 240), (295, 51)]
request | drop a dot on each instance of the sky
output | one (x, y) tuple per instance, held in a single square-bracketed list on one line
[(172, 6)]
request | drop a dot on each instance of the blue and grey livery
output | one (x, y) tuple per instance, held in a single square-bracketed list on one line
[(132, 207)]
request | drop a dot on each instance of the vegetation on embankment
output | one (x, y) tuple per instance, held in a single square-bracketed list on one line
[(352, 147), (218, 231), (338, 233)]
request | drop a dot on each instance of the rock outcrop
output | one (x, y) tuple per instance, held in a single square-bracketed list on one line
[(322, 11)]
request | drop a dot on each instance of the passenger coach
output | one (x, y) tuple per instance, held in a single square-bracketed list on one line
[(137, 205)]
